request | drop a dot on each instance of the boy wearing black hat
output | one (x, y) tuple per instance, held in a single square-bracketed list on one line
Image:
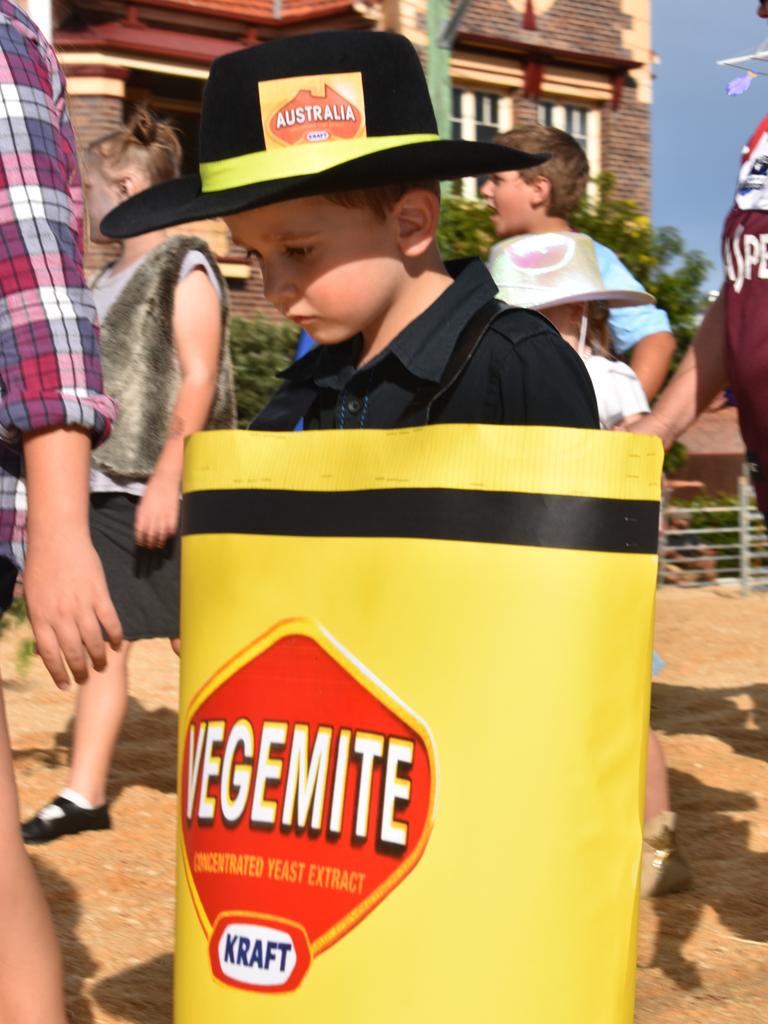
[(321, 153)]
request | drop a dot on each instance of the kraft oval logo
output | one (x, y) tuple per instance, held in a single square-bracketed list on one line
[(259, 954), (307, 795)]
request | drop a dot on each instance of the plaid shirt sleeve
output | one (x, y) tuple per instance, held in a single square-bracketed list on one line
[(49, 365)]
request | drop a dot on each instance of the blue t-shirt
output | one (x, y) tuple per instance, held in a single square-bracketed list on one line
[(629, 324)]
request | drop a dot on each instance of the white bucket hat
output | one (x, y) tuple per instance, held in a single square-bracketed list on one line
[(541, 271)]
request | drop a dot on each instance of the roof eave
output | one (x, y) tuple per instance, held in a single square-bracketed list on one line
[(545, 54)]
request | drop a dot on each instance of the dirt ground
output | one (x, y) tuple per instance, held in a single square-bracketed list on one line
[(703, 956)]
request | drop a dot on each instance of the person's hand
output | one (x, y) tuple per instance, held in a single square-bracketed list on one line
[(157, 515), (720, 401), (647, 424), (68, 604), (630, 421)]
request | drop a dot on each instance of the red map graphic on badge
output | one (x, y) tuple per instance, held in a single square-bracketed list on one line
[(308, 792), (311, 118)]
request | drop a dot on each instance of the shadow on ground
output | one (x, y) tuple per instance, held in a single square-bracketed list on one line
[(79, 965), (728, 876), (143, 994), (736, 715), (145, 755)]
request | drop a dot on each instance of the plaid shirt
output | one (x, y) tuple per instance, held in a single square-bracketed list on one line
[(49, 366)]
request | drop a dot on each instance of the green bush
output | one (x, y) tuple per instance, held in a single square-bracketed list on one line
[(675, 458), (260, 348), (465, 228)]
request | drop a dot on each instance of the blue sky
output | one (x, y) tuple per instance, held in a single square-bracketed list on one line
[(698, 131)]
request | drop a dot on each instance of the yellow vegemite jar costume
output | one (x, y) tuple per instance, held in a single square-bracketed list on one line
[(415, 663), (415, 681)]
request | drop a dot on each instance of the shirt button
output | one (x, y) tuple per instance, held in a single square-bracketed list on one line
[(354, 405)]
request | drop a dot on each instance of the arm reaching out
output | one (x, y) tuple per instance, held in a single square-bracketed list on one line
[(701, 374)]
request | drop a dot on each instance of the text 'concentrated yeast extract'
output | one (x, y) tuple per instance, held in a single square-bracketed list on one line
[(307, 794)]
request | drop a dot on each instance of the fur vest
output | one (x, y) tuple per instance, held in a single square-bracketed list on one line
[(141, 368)]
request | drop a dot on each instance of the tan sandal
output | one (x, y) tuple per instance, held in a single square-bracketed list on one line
[(664, 869)]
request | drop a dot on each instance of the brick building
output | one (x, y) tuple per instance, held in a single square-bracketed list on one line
[(583, 65)]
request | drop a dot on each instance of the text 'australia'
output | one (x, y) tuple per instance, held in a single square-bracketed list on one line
[(315, 113)]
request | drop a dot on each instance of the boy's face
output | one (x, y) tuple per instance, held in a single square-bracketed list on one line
[(333, 270), (514, 203)]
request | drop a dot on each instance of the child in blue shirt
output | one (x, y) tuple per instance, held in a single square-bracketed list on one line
[(541, 199)]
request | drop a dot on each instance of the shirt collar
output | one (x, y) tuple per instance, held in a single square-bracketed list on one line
[(423, 347)]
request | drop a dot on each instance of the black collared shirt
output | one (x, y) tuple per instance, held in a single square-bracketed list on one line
[(522, 371)]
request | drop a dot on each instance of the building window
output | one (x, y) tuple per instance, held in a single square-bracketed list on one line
[(583, 123), (477, 116)]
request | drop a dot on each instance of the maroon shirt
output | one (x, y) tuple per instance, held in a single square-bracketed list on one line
[(745, 253)]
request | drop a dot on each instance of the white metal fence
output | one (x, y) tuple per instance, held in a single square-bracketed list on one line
[(715, 544)]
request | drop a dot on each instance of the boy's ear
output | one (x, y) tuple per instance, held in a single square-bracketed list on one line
[(541, 191), (416, 214)]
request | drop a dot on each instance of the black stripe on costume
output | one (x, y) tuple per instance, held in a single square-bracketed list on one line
[(485, 517)]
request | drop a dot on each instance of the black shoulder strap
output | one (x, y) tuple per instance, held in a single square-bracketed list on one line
[(419, 409)]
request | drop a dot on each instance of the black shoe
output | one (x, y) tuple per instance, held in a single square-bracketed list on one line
[(74, 819)]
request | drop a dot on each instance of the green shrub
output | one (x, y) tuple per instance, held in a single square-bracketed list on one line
[(260, 348), (465, 228), (675, 458)]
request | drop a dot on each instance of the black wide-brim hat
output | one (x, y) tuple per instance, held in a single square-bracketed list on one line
[(306, 116)]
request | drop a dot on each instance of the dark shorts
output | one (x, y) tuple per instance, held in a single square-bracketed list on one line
[(8, 573), (143, 582)]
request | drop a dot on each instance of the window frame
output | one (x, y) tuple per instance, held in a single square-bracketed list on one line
[(592, 144), (469, 93)]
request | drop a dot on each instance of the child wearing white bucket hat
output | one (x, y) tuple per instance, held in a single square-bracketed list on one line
[(557, 273)]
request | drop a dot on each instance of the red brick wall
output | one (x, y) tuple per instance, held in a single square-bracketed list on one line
[(525, 111), (627, 149), (584, 26), (588, 27), (94, 117)]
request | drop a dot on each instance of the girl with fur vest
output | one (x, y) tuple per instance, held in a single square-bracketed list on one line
[(163, 310)]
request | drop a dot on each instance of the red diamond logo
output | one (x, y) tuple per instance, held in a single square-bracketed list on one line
[(308, 792)]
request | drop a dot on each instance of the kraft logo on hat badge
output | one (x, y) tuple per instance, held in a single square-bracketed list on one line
[(308, 793)]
